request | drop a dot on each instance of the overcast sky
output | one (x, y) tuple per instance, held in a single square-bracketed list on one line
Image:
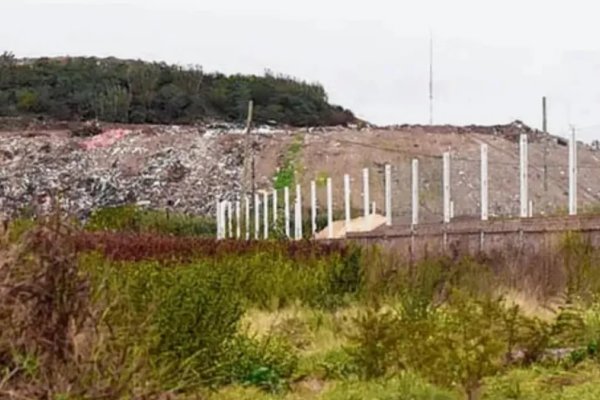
[(493, 60)]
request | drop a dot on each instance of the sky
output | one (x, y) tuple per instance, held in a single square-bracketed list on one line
[(492, 60)]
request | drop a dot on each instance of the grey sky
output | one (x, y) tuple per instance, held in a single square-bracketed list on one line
[(493, 59)]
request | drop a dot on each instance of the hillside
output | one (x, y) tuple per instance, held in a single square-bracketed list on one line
[(186, 167), (125, 91)]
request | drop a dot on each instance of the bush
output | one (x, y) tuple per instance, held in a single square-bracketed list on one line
[(133, 219), (267, 363)]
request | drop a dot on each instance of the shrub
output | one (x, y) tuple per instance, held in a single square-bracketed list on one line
[(133, 219), (267, 363)]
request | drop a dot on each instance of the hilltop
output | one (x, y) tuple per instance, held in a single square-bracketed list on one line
[(134, 91)]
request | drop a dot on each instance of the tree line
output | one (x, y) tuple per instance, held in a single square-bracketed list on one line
[(114, 90)]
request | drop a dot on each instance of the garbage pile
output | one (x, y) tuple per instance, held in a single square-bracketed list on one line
[(180, 168)]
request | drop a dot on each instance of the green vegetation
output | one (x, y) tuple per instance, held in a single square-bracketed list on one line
[(133, 219), (280, 320), (115, 90), (290, 168)]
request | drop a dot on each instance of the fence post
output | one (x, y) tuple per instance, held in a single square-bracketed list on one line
[(275, 207), (247, 212), (224, 219), (388, 194), (229, 220), (366, 199), (299, 203), (484, 182), (523, 176), (329, 209), (347, 200), (415, 192), (266, 215), (572, 173), (286, 206), (238, 229), (313, 207), (218, 215), (446, 184), (256, 216)]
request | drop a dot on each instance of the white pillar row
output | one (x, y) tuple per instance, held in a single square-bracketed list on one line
[(256, 216), (299, 202), (388, 195), (329, 209), (275, 211), (313, 207), (366, 199), (347, 199), (415, 192), (229, 220), (286, 211), (446, 186), (266, 215), (247, 214), (484, 182), (572, 173), (523, 173), (238, 229)]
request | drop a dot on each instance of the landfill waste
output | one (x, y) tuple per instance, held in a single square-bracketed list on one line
[(182, 168)]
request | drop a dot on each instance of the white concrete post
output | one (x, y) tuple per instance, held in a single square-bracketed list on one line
[(484, 182), (275, 207), (229, 220), (347, 199), (299, 202), (388, 195), (523, 177), (572, 173), (530, 208), (247, 219), (295, 219), (313, 206), (415, 192), (286, 205), (373, 208), (329, 209), (446, 186), (256, 216), (224, 219), (266, 215), (218, 215), (451, 209), (366, 199), (238, 229)]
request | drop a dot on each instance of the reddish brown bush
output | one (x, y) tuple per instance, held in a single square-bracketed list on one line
[(137, 247)]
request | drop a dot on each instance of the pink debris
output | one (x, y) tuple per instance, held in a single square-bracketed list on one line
[(105, 139)]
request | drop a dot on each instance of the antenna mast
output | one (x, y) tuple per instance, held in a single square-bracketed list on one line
[(430, 77)]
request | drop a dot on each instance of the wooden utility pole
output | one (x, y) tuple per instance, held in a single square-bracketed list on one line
[(248, 147)]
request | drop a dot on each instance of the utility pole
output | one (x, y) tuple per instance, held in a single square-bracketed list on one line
[(247, 150), (430, 77), (545, 130)]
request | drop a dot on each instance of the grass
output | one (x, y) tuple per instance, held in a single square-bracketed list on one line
[(122, 315)]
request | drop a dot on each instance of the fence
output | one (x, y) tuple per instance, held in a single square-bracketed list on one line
[(410, 192)]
